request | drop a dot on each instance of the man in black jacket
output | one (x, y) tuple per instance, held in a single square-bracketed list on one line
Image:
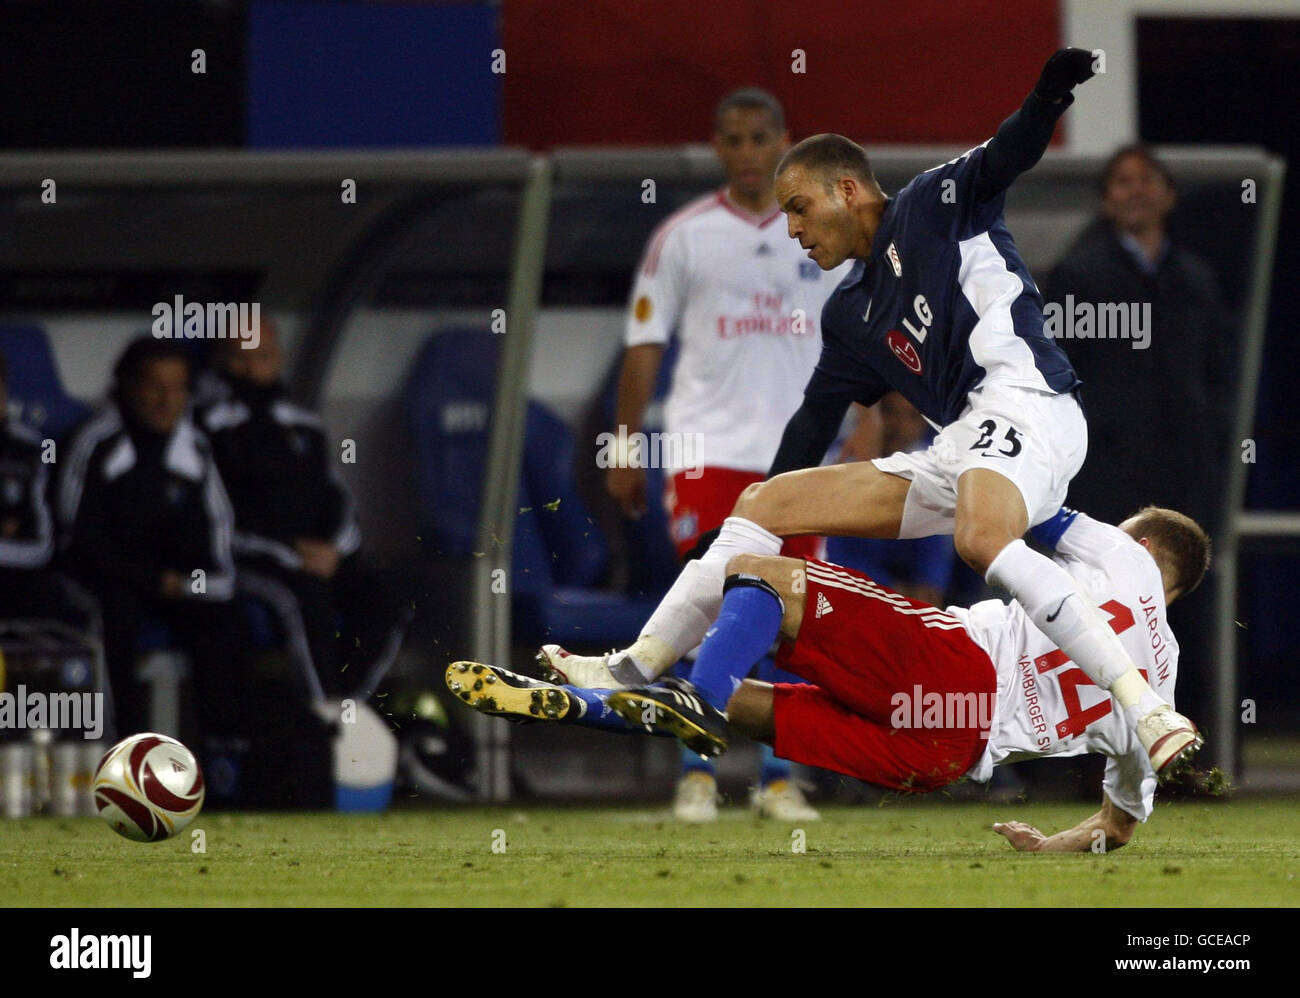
[(296, 536), (1159, 403), (148, 528), (1155, 452)]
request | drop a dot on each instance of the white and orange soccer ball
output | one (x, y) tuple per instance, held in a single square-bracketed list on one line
[(148, 787)]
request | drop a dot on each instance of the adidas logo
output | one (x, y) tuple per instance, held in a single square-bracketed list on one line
[(823, 605)]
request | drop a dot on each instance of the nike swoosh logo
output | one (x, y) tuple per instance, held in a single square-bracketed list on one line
[(867, 314), (1052, 616)]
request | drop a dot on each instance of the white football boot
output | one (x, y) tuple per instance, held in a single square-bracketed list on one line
[(1169, 738), (696, 799), (588, 672), (782, 800)]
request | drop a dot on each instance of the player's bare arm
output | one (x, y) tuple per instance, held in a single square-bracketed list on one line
[(1111, 824), (635, 386)]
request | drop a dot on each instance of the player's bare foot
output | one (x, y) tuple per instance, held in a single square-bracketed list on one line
[(590, 672), (1169, 738), (492, 690)]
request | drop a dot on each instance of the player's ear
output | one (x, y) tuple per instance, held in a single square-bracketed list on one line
[(1145, 542)]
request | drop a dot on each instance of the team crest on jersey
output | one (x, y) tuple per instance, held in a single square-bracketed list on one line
[(642, 309), (904, 350), (894, 261), (808, 270)]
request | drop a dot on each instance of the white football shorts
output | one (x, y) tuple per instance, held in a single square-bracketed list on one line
[(1036, 439)]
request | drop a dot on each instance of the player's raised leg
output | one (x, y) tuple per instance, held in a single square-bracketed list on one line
[(990, 521), (855, 500)]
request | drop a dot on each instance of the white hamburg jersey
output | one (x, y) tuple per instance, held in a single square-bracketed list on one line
[(746, 303), (1046, 706)]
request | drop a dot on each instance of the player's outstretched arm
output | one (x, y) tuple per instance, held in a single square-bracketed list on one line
[(1110, 825), (1022, 139)]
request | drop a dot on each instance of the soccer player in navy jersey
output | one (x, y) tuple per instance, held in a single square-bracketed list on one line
[(940, 307)]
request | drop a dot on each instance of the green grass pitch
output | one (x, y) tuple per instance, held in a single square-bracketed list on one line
[(924, 852)]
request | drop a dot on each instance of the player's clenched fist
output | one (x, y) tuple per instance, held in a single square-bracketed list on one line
[(1025, 838), (1065, 70)]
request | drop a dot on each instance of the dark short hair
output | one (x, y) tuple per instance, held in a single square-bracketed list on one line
[(750, 98), (1140, 150), (1180, 540), (141, 351), (4, 369), (832, 156)]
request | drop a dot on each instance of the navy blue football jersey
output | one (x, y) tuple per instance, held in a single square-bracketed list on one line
[(943, 305)]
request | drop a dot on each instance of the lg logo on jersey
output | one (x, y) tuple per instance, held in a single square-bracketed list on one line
[(901, 346), (904, 351)]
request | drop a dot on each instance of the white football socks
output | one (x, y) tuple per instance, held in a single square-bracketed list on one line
[(1052, 600), (691, 605)]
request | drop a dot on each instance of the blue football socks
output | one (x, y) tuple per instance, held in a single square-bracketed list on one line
[(746, 626)]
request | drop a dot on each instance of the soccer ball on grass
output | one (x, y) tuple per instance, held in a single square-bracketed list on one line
[(148, 787)]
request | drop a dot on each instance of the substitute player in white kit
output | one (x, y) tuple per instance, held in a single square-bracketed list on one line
[(745, 304)]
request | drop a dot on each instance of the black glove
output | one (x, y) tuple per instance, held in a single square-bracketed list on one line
[(1064, 71), (706, 539)]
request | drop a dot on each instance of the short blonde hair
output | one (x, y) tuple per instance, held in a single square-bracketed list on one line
[(1181, 545)]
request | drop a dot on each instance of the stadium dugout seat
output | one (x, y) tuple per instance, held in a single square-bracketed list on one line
[(36, 395), (558, 555)]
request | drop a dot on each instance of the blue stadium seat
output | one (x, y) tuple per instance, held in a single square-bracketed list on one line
[(36, 395), (558, 555)]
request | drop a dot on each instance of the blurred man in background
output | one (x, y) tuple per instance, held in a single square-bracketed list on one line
[(296, 533), (1154, 452), (147, 528), (1126, 257), (722, 276)]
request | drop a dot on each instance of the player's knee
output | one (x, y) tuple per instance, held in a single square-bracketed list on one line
[(749, 500), (978, 544), (783, 577), (751, 564)]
